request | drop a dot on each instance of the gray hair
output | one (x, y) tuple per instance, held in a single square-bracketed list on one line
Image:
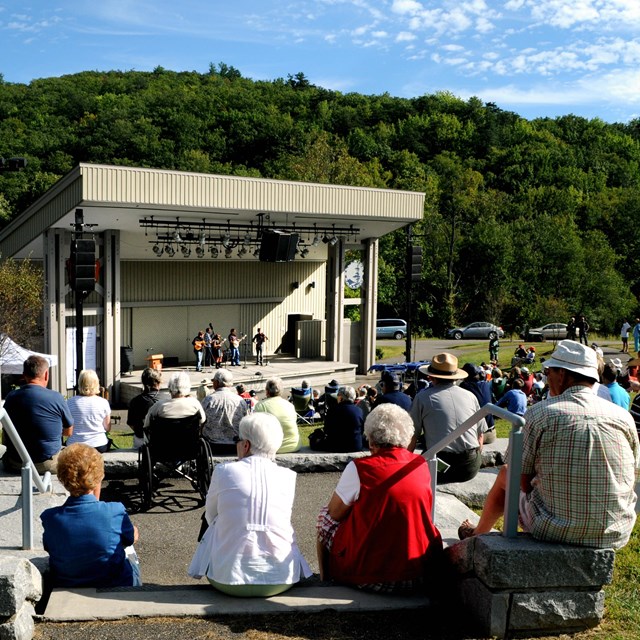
[(179, 384), (274, 387), (223, 377), (348, 393), (150, 377), (389, 426), (264, 432)]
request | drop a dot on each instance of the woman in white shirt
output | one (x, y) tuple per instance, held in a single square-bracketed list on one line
[(91, 413), (250, 548)]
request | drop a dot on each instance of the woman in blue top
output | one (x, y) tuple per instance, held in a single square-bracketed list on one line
[(88, 541)]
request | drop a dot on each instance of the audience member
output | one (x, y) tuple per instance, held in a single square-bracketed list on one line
[(224, 409), (391, 387), (376, 532), (41, 418), (284, 411), (180, 405), (343, 426), (91, 413), (439, 410), (579, 451), (140, 404), (515, 399), (481, 389), (249, 548), (618, 395), (89, 542)]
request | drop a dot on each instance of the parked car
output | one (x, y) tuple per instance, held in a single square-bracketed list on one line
[(551, 331), (391, 328), (476, 330)]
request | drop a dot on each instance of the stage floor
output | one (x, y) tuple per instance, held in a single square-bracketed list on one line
[(292, 371)]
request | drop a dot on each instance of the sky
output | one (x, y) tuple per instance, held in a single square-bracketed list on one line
[(538, 58)]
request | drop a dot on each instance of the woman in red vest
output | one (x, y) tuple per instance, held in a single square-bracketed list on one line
[(376, 533)]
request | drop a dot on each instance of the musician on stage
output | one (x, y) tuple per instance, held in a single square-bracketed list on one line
[(198, 349), (208, 353), (216, 347), (259, 340), (234, 348)]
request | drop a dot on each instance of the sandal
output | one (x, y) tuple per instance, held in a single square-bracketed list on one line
[(466, 530)]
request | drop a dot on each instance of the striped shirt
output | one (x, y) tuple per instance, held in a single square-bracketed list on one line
[(584, 454)]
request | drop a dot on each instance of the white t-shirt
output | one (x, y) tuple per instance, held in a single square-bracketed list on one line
[(348, 489), (88, 414)]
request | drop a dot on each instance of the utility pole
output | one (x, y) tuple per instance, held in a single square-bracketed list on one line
[(414, 274)]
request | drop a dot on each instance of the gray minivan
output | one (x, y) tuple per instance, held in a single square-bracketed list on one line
[(391, 328)]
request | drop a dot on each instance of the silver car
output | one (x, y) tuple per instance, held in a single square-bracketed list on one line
[(551, 331), (476, 330)]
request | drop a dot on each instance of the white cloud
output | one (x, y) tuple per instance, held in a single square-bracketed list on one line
[(453, 47), (405, 36), (406, 7)]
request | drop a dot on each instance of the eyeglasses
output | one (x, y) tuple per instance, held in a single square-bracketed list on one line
[(237, 439)]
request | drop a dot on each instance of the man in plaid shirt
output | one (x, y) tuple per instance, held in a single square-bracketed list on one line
[(580, 461)]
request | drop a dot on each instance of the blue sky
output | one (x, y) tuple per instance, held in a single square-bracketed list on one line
[(534, 57)]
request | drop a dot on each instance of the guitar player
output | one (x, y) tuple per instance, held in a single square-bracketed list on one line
[(234, 347), (198, 349)]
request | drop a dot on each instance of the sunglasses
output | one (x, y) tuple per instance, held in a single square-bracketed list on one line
[(237, 439)]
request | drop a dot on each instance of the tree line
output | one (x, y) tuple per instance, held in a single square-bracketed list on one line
[(525, 221)]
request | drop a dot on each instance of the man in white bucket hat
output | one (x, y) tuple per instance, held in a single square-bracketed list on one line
[(580, 461)]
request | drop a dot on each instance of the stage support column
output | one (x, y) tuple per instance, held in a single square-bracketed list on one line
[(369, 305), (56, 247), (335, 302), (111, 302)]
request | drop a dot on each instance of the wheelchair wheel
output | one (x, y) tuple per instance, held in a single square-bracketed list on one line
[(204, 467), (145, 478)]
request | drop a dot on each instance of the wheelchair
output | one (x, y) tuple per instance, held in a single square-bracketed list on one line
[(174, 446)]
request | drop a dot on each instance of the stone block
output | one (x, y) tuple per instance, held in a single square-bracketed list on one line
[(525, 563), (20, 626), (488, 611), (555, 612), (19, 581), (474, 492)]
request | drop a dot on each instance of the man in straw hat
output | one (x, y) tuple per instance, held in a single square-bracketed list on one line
[(439, 410), (579, 461)]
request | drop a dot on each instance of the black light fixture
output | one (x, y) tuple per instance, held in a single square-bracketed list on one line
[(227, 252), (170, 251), (157, 249), (213, 250), (305, 252)]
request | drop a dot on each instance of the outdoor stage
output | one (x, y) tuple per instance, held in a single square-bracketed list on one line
[(292, 371)]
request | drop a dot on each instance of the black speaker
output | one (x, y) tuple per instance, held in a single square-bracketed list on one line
[(278, 246), (83, 265)]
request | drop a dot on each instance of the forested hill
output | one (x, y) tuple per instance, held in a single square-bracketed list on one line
[(525, 221)]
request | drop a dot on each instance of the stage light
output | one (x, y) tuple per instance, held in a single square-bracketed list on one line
[(201, 241), (170, 251), (227, 252), (186, 251), (226, 240), (316, 241), (176, 236), (333, 241), (200, 252), (256, 252), (304, 253), (242, 251), (157, 249), (214, 251)]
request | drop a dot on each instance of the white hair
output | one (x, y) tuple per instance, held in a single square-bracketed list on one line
[(389, 426), (179, 384), (264, 432), (348, 393), (223, 377)]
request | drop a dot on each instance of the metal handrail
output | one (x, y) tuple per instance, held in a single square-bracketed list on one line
[(29, 475), (513, 471)]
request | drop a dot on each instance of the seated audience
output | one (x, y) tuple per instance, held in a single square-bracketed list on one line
[(91, 413), (249, 548), (224, 409), (140, 405), (498, 384), (88, 541), (515, 399), (527, 381), (41, 418), (343, 426), (180, 405), (481, 389), (580, 458), (618, 395), (284, 411), (391, 387), (376, 532), (440, 410)]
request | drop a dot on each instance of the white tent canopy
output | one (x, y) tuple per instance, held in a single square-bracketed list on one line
[(12, 356)]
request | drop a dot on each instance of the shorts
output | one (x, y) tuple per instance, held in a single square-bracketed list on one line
[(525, 516)]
